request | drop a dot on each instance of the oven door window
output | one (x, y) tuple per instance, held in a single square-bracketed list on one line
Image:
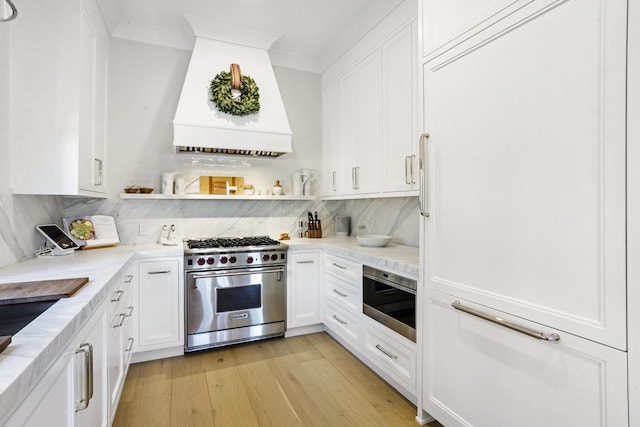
[(238, 298)]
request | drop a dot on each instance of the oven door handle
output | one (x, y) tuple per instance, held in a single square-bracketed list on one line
[(227, 273)]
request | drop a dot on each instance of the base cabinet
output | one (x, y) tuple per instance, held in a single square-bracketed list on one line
[(159, 322), (478, 373), (303, 283), (120, 334), (74, 390)]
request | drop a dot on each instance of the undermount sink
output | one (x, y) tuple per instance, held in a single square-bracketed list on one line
[(14, 317)]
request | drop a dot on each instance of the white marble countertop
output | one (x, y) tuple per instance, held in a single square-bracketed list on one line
[(403, 260), (39, 344)]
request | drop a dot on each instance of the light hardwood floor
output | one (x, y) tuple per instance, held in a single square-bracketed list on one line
[(308, 380)]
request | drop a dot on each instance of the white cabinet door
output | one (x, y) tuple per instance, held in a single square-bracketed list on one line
[(526, 160), (365, 156), (348, 131), (332, 147), (481, 374), (303, 304), (399, 93), (160, 318), (59, 54)]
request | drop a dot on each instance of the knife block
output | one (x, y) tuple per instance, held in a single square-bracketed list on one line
[(314, 230)]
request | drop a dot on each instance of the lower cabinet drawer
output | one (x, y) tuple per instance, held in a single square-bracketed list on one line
[(390, 353), (343, 294), (343, 323)]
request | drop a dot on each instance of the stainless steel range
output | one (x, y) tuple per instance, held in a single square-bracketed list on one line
[(235, 290)]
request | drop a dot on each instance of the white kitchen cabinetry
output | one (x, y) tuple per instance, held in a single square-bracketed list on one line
[(303, 290), (120, 333), (73, 392), (159, 321), (525, 166), (342, 310), (399, 124), (352, 130), (369, 119), (391, 352), (482, 374), (58, 72)]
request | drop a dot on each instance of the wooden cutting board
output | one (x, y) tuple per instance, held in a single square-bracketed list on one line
[(4, 342), (44, 290)]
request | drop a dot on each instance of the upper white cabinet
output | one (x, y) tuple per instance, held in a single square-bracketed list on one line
[(352, 128), (399, 100), (58, 72), (369, 125)]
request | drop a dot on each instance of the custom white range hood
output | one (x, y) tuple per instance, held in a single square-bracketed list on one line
[(198, 124)]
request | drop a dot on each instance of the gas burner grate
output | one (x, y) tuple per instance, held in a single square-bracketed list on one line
[(231, 242)]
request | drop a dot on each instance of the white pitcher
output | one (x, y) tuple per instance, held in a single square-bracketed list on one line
[(298, 184)]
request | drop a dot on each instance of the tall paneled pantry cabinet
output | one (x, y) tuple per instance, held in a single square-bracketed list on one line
[(529, 190)]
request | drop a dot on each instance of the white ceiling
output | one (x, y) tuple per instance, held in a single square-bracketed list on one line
[(308, 34)]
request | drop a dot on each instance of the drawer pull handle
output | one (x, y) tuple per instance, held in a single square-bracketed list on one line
[(340, 293), (129, 311), (129, 278), (130, 346), (339, 266), (342, 322), (309, 261), (121, 322), (499, 321), (159, 272), (386, 352), (116, 296)]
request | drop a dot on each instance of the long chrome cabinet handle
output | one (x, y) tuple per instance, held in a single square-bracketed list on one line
[(159, 272), (499, 321), (309, 261), (339, 266), (87, 351), (423, 174), (333, 174), (340, 293), (386, 352)]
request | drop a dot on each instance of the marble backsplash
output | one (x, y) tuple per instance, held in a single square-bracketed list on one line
[(18, 217), (199, 218), (203, 218)]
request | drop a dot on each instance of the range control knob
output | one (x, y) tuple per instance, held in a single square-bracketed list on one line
[(265, 257), (201, 261), (274, 257), (232, 259), (249, 259), (210, 260), (223, 260)]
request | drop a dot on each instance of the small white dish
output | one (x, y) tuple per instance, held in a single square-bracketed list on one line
[(373, 240)]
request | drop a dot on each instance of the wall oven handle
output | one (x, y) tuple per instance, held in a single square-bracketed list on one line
[(386, 352), (225, 273), (505, 323), (423, 174)]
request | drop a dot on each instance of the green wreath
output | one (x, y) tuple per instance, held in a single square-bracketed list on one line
[(247, 103)]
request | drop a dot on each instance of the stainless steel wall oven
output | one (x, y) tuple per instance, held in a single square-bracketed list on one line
[(390, 299), (235, 291)]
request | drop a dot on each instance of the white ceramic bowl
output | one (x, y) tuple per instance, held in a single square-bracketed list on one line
[(373, 240)]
